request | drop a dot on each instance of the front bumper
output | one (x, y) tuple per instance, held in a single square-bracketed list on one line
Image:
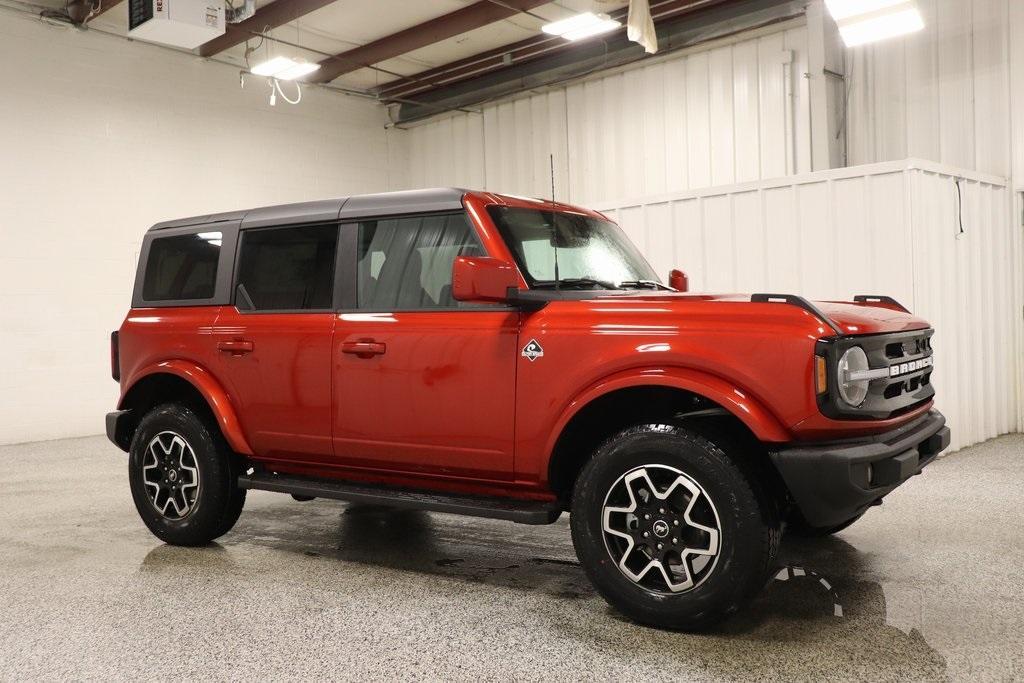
[(834, 482)]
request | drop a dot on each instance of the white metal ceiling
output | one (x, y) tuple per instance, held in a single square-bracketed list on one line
[(346, 24)]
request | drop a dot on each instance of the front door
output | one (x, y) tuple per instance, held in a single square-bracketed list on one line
[(423, 384), (274, 343)]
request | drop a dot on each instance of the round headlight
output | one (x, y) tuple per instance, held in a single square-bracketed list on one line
[(852, 391)]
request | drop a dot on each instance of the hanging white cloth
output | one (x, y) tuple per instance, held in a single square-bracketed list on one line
[(640, 25)]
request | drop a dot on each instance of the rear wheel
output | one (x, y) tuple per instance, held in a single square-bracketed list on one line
[(671, 531), (183, 477)]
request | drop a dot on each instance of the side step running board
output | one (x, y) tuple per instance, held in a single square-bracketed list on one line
[(521, 511)]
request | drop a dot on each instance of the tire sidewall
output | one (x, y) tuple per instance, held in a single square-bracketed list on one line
[(739, 565), (213, 484)]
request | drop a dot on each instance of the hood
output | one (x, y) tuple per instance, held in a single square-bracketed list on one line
[(863, 318), (850, 317)]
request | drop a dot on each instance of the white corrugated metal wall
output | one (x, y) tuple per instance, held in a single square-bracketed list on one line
[(732, 111), (951, 93), (890, 228)]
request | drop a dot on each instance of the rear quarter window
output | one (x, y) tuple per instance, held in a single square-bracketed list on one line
[(183, 267)]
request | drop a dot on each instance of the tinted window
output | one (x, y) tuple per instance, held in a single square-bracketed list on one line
[(289, 268), (183, 267), (406, 263)]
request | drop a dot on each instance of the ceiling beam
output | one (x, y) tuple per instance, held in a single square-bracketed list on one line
[(524, 50), (413, 38), (269, 17)]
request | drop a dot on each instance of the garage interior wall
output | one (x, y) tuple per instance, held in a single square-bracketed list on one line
[(732, 111), (99, 139), (952, 93)]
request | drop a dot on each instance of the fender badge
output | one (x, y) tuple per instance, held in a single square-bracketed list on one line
[(532, 351)]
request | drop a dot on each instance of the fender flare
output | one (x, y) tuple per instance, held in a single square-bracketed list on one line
[(740, 404), (212, 392)]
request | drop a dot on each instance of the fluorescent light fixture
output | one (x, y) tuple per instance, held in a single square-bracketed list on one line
[(284, 69), (300, 69), (844, 9), (867, 21), (272, 66), (581, 26)]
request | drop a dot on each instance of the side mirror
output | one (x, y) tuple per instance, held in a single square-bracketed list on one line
[(678, 281), (480, 278)]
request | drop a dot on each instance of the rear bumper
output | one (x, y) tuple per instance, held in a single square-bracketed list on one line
[(834, 482), (117, 430)]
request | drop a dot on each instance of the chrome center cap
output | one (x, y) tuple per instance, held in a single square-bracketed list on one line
[(660, 528), (172, 475)]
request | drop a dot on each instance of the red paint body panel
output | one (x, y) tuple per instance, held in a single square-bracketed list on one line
[(439, 400), (178, 341), (445, 399), (282, 387)]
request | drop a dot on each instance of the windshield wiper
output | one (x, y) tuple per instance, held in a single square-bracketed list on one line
[(644, 284), (575, 283)]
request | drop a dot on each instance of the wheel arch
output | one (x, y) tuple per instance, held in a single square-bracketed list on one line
[(188, 383), (623, 400)]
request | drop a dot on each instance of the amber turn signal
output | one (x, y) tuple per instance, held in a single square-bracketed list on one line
[(820, 375)]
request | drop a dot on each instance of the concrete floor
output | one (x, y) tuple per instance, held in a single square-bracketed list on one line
[(931, 586)]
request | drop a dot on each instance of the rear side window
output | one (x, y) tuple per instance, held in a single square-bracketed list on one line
[(183, 267), (289, 269)]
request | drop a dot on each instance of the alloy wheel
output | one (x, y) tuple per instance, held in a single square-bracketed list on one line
[(661, 528), (170, 473)]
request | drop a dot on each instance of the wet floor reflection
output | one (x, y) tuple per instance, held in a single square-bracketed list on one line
[(826, 619)]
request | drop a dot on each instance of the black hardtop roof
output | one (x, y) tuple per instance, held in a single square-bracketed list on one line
[(356, 206)]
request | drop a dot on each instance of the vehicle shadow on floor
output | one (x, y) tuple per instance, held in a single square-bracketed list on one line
[(818, 613)]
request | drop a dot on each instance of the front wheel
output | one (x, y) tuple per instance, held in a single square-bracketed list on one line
[(183, 477), (670, 530)]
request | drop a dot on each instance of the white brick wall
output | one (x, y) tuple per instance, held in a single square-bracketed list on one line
[(99, 139)]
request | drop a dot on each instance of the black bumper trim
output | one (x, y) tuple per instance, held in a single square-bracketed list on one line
[(117, 430), (833, 483)]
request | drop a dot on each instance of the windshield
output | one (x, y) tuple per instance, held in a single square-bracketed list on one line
[(591, 252)]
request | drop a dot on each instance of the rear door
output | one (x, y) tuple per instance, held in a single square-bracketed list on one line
[(422, 383), (274, 341)]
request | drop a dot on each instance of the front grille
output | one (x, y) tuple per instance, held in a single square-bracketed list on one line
[(905, 388), (910, 347)]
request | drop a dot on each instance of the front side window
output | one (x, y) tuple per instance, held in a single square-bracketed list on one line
[(182, 267), (406, 263), (585, 251), (288, 269)]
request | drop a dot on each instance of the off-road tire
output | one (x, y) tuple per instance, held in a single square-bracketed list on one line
[(218, 501), (749, 526)]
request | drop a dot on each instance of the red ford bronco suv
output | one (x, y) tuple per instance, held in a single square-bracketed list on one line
[(512, 358)]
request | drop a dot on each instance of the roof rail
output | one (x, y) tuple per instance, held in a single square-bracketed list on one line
[(799, 302), (879, 299)]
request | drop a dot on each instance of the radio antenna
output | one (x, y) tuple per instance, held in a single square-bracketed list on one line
[(554, 224)]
